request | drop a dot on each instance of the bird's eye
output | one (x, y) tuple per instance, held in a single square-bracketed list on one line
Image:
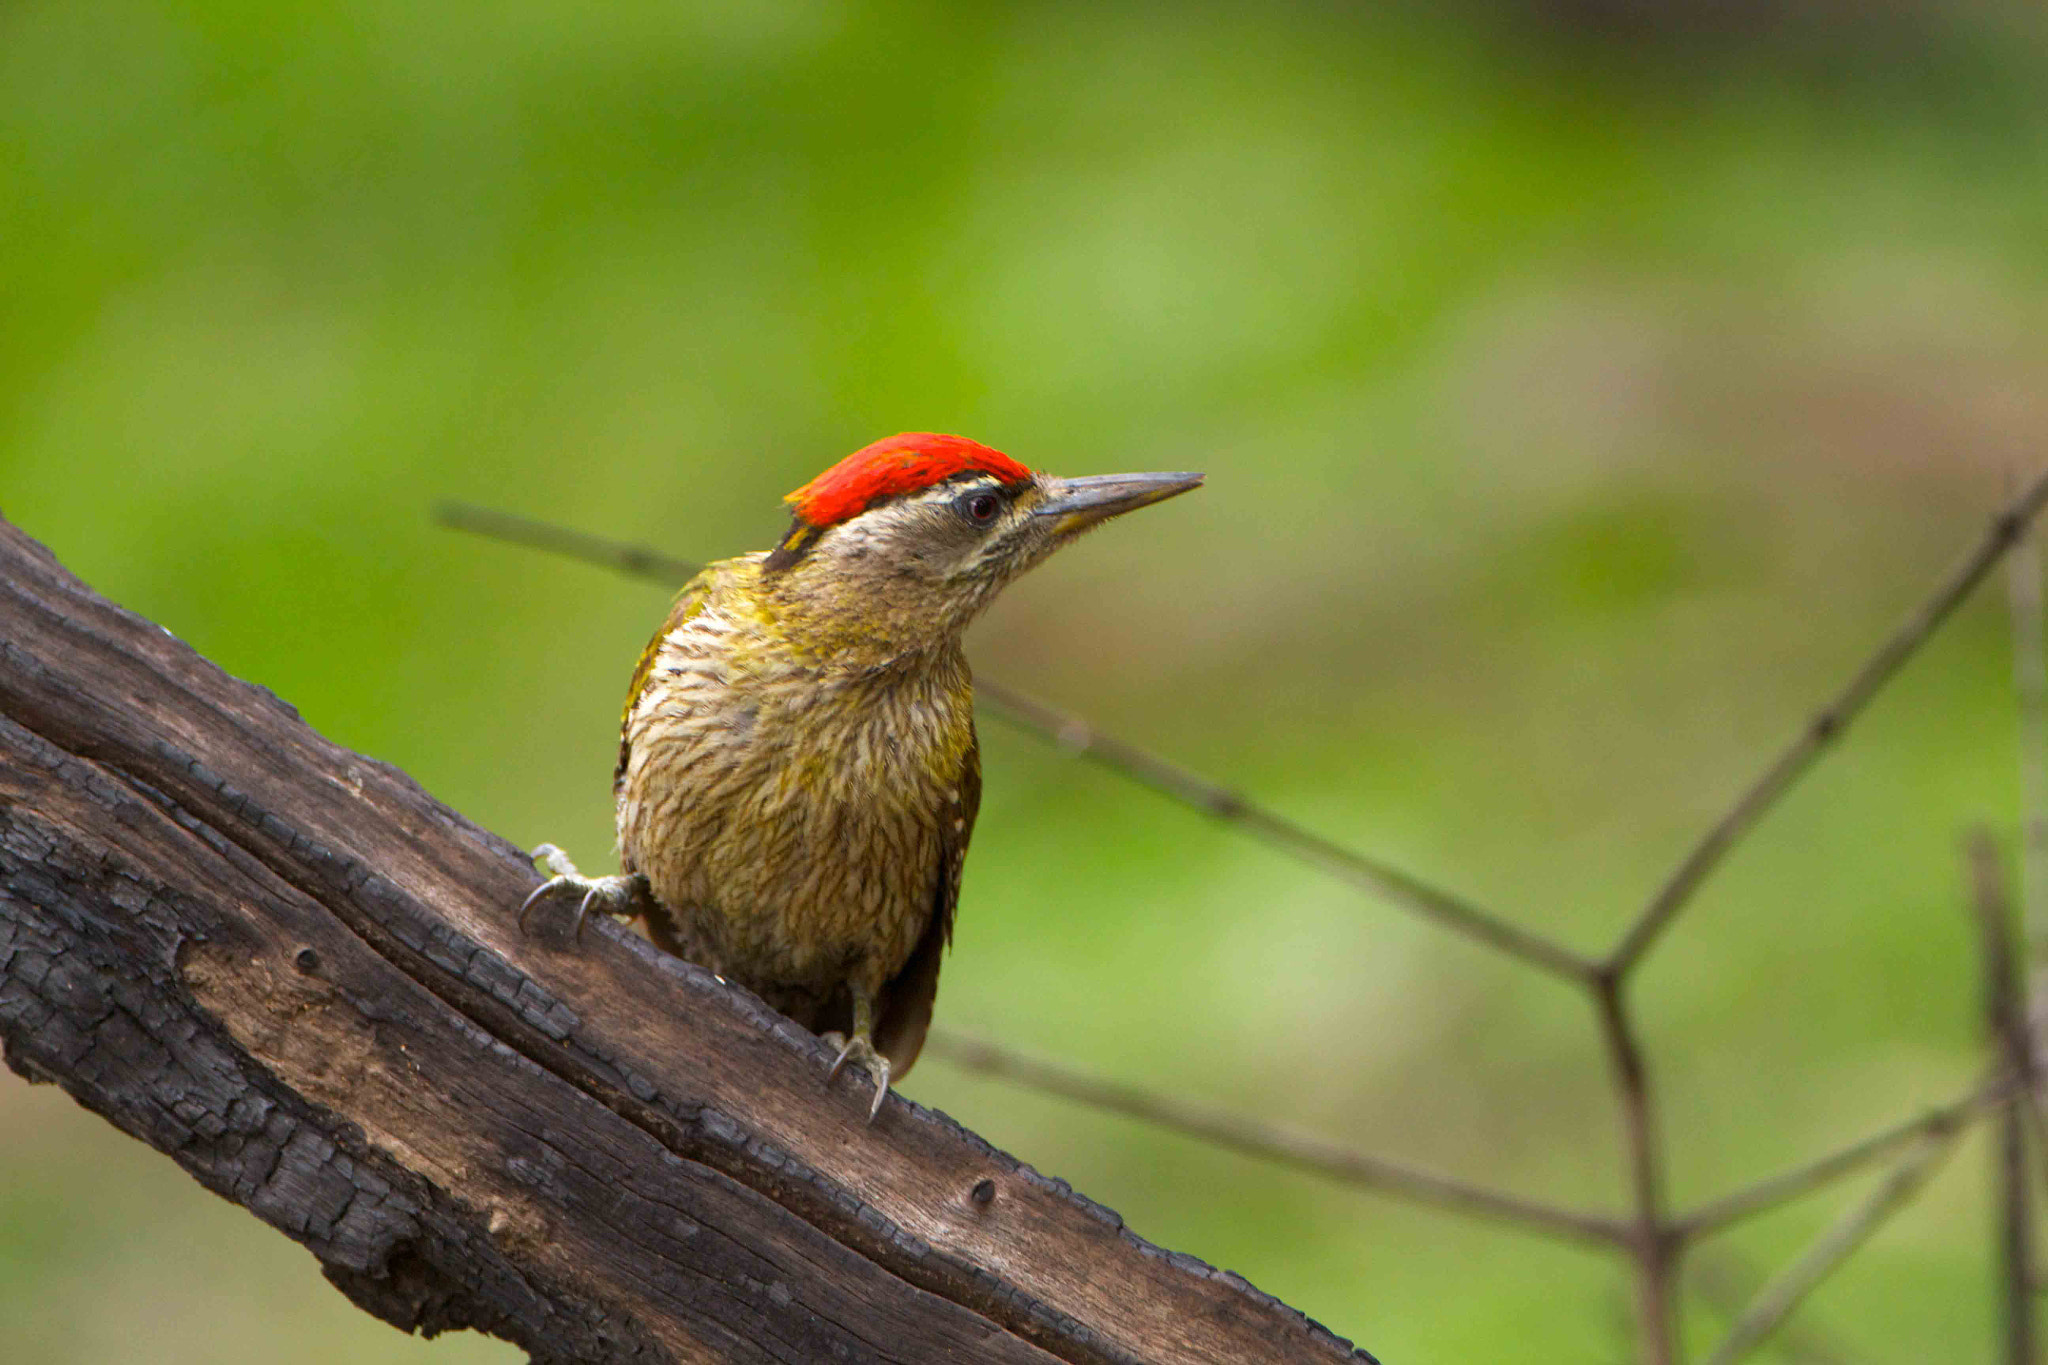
[(980, 508)]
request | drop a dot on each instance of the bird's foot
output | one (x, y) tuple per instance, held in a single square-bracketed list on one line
[(619, 895), (862, 1054)]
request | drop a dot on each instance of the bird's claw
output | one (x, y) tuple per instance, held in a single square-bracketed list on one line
[(610, 895), (862, 1054)]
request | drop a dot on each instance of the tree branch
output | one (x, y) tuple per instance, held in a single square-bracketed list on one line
[(1725, 1282), (1270, 1143), (290, 969), (1775, 1302), (1826, 727), (1938, 1132), (1652, 1246), (2030, 695), (2005, 1028), (1779, 1189)]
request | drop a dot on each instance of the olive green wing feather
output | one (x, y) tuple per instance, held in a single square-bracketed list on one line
[(690, 601), (907, 999)]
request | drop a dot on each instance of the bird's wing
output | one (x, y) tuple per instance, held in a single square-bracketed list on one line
[(691, 600), (907, 999), (956, 829)]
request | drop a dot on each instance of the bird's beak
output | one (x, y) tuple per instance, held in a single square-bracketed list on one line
[(1081, 503)]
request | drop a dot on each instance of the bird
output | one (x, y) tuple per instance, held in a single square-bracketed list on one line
[(798, 773)]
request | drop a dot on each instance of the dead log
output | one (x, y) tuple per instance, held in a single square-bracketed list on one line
[(291, 970)]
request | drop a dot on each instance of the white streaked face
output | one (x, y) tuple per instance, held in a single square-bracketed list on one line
[(966, 530), (919, 567)]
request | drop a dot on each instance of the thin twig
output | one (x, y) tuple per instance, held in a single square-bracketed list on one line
[(2005, 1020), (634, 561), (1776, 1301), (2030, 695), (1825, 728), (1252, 1138), (1772, 1191), (2015, 1241), (2005, 989), (2030, 692), (1075, 734), (1366, 874), (1655, 1251), (1725, 1282)]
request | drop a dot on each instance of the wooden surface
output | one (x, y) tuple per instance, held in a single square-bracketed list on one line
[(297, 974)]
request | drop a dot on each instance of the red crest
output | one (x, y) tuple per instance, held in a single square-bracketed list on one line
[(895, 465)]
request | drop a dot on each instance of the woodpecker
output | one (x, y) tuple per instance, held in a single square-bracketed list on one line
[(798, 773)]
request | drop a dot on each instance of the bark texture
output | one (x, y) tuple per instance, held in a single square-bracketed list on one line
[(295, 973)]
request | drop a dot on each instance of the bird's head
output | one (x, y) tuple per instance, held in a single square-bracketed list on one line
[(913, 535)]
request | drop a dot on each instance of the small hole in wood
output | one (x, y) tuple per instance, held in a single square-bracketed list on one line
[(306, 960), (983, 1194)]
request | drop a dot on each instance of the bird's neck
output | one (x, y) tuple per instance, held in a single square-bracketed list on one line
[(866, 622)]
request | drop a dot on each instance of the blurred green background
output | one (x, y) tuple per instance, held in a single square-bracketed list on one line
[(1580, 399)]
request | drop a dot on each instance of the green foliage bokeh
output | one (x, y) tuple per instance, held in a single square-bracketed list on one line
[(1577, 407)]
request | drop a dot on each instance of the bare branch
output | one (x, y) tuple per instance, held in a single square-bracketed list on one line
[(2030, 691), (1651, 1245), (1776, 1301), (1827, 727), (1076, 735), (634, 561), (2015, 1238), (2005, 1026), (1725, 1282), (2005, 1001), (1269, 1143), (1452, 912), (1769, 1193)]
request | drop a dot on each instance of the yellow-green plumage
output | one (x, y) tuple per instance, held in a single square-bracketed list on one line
[(798, 775), (800, 814)]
